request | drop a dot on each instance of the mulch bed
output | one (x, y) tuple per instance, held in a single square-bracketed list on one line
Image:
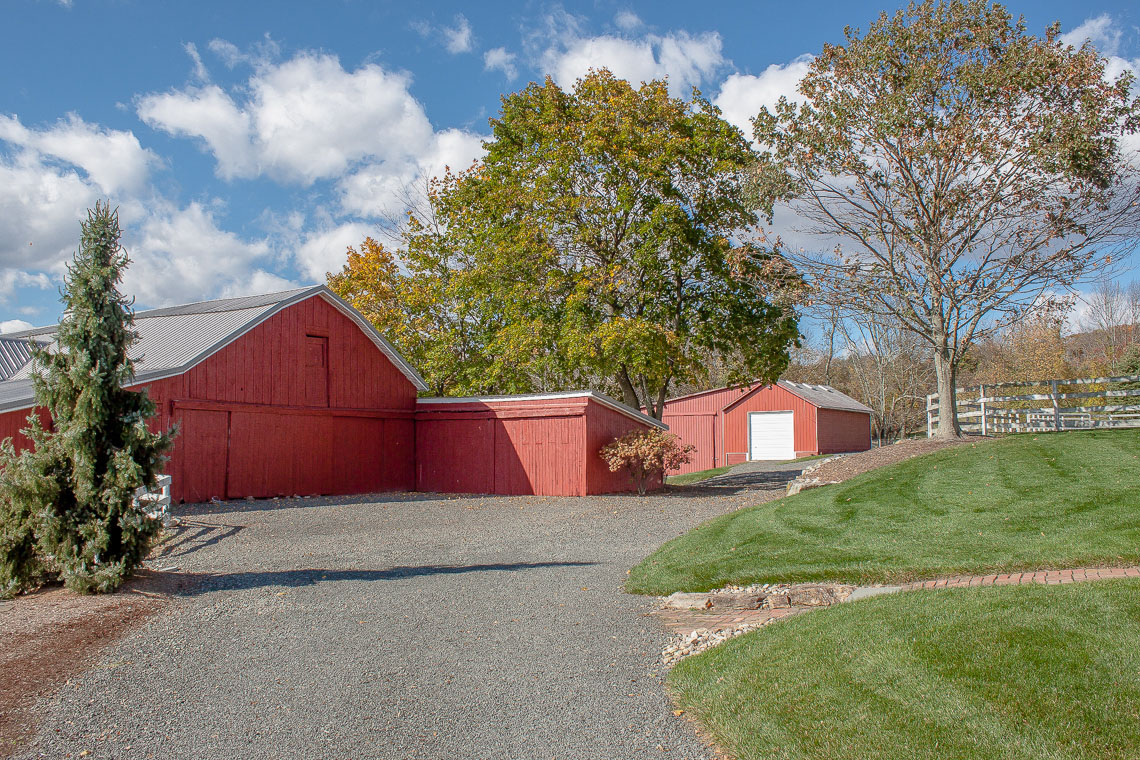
[(849, 465), (53, 634)]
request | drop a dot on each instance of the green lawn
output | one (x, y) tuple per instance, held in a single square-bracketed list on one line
[(1030, 501), (696, 477), (1016, 673)]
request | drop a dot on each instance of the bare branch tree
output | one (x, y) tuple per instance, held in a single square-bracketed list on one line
[(1109, 319), (957, 170)]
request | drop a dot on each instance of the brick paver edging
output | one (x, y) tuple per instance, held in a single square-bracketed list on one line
[(686, 621), (1019, 579)]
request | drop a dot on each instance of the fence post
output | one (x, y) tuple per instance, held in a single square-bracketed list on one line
[(982, 402), (1056, 406), (930, 415)]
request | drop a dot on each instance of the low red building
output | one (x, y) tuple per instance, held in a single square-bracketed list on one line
[(529, 444), (296, 393), (767, 422)]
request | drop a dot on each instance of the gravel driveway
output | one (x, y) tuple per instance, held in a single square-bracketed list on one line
[(401, 626)]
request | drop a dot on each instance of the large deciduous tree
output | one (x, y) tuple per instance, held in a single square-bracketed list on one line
[(596, 237), (953, 171)]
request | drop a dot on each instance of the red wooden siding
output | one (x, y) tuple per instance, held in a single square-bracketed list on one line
[(841, 431), (697, 419), (816, 430), (771, 398), (518, 446), (603, 425), (270, 365), (700, 429), (304, 403), (200, 452), (11, 423)]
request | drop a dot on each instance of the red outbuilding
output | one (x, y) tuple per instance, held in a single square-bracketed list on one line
[(530, 444), (296, 393), (767, 422)]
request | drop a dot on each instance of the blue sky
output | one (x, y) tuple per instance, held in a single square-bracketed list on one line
[(248, 143)]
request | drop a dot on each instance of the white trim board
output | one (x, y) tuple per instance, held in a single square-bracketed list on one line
[(601, 398)]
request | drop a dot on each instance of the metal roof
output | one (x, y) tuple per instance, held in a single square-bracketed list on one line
[(172, 340), (601, 398), (14, 354), (824, 397)]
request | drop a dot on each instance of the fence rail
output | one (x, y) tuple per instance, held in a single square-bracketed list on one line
[(156, 503), (982, 411)]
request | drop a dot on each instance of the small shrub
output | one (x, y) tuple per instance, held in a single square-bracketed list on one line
[(645, 454)]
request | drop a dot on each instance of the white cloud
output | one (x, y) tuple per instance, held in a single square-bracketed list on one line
[(501, 60), (458, 38), (298, 121), (326, 250), (260, 53), (743, 95), (381, 189), (199, 70), (113, 160), (1102, 31), (627, 21), (48, 179), (14, 325), (686, 59), (209, 114), (181, 255), (10, 279)]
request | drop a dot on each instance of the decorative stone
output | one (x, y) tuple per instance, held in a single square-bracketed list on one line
[(818, 595)]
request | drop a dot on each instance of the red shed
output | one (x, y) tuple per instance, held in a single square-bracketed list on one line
[(767, 422), (281, 394), (528, 444)]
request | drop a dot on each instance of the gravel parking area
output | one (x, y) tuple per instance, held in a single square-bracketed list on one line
[(396, 626)]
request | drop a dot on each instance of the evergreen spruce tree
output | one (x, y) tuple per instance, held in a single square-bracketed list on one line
[(76, 486)]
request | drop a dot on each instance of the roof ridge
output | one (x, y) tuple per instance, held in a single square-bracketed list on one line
[(255, 301)]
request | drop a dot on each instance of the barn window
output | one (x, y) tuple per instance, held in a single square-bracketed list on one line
[(317, 370)]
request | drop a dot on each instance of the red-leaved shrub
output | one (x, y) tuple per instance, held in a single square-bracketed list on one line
[(646, 454)]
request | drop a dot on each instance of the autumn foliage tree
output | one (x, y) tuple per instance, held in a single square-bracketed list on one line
[(953, 169), (646, 454), (594, 241)]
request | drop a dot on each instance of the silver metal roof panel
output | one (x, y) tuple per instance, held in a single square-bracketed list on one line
[(175, 339), (824, 397)]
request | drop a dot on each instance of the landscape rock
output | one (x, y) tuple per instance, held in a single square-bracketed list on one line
[(821, 595), (687, 601), (737, 601)]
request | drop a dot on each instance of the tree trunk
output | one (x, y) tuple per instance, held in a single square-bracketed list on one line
[(947, 370), (628, 393)]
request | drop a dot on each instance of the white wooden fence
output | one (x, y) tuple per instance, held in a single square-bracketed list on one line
[(1052, 405), (156, 503)]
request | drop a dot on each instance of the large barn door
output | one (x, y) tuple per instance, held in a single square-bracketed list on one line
[(200, 453), (316, 370), (771, 435)]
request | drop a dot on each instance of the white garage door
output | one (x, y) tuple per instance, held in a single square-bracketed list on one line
[(771, 435)]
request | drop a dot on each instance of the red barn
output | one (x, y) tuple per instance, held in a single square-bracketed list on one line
[(767, 422), (296, 393), (529, 444), (275, 395)]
